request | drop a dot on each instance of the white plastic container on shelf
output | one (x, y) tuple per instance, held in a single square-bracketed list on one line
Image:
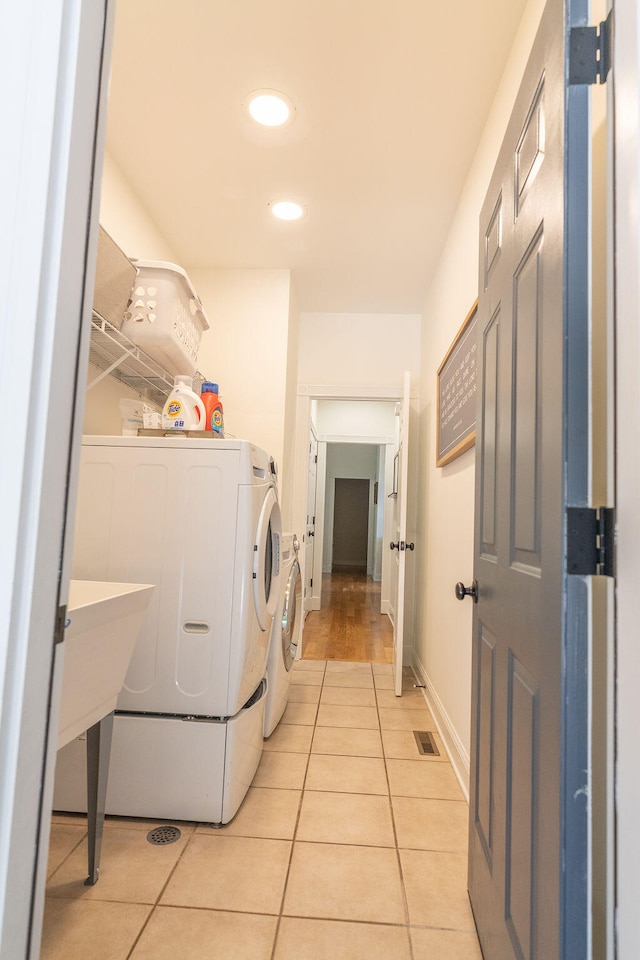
[(184, 409), (132, 416), (136, 414), (165, 318)]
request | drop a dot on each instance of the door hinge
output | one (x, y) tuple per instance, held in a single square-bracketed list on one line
[(60, 624), (590, 541), (311, 582), (590, 53)]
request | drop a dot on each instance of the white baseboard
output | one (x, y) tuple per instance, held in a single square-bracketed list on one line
[(455, 748)]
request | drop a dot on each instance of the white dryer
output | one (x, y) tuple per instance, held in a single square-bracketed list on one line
[(287, 623), (198, 517)]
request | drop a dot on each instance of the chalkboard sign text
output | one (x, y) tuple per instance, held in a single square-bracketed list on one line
[(457, 393)]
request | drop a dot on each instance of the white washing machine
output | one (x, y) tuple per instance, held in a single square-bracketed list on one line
[(287, 624), (199, 518)]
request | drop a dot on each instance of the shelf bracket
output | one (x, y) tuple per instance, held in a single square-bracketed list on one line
[(109, 370)]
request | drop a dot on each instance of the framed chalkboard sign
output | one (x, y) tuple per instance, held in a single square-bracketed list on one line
[(457, 385)]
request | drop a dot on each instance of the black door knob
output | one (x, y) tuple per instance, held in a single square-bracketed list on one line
[(395, 546), (462, 591)]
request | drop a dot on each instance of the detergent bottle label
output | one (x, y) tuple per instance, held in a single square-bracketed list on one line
[(216, 421), (173, 415), (183, 409)]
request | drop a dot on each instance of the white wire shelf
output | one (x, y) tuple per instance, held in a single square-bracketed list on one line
[(117, 356)]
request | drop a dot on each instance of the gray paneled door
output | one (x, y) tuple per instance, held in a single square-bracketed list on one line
[(528, 810)]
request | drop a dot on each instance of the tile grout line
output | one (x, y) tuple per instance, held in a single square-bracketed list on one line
[(295, 828), (303, 789), (164, 886), (302, 792), (84, 837), (395, 836), (406, 925)]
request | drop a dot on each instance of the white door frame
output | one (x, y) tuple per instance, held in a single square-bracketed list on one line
[(54, 57), (313, 580), (387, 447), (307, 393), (400, 537)]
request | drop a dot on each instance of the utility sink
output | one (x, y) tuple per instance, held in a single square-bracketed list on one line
[(103, 621)]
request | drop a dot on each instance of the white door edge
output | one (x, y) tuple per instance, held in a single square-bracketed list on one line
[(50, 74)]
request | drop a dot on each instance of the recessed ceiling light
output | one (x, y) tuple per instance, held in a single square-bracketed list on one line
[(287, 210), (270, 108)]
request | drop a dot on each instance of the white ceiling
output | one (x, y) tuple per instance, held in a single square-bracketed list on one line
[(391, 97)]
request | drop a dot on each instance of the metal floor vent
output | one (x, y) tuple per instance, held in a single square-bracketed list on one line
[(426, 743), (161, 836)]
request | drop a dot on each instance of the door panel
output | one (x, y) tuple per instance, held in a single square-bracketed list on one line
[(522, 764), (525, 466), (489, 416), (484, 724), (527, 824)]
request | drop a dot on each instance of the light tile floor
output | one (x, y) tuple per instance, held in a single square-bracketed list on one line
[(349, 846)]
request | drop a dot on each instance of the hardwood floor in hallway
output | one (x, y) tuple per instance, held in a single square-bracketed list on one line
[(349, 625)]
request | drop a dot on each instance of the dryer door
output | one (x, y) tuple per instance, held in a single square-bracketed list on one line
[(290, 608), (266, 560)]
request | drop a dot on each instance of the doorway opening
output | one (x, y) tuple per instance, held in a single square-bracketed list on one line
[(347, 620), (350, 540), (350, 517), (349, 625)]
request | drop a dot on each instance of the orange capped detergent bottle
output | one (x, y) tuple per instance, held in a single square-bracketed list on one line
[(213, 408)]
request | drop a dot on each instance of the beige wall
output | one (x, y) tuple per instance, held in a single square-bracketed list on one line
[(288, 453), (101, 411), (128, 222), (246, 350), (446, 495), (358, 349), (357, 418)]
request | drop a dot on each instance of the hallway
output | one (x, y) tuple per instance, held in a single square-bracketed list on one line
[(349, 625), (350, 846)]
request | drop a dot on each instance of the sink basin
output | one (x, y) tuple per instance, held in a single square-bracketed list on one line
[(103, 621)]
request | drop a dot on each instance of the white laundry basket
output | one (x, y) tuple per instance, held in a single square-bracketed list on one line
[(166, 318)]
